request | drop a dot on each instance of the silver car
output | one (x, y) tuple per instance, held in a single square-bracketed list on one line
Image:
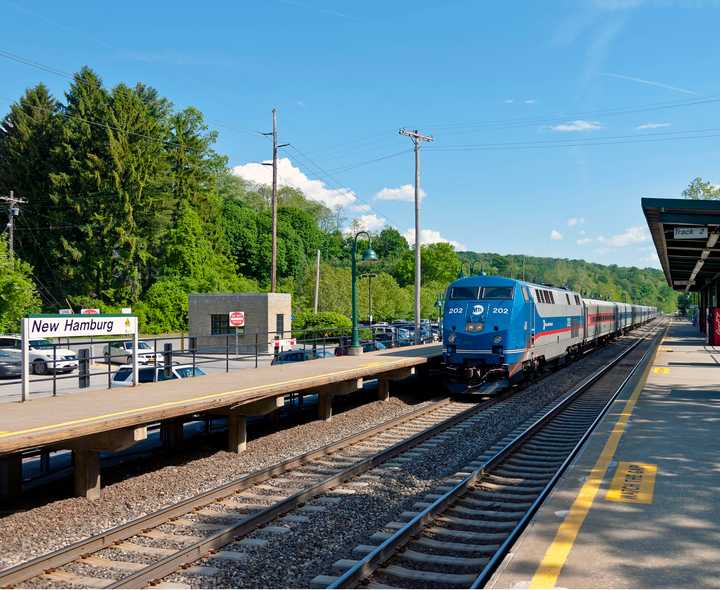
[(10, 363), (121, 351)]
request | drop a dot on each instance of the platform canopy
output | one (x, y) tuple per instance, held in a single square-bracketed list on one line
[(686, 235)]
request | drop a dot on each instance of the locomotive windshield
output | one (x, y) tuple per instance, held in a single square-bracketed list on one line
[(497, 293), (464, 292)]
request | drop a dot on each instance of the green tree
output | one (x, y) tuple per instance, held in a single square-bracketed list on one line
[(18, 294), (701, 189)]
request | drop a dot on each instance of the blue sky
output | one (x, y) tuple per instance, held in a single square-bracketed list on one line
[(551, 119)]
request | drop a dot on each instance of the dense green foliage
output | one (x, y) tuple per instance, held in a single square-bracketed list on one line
[(128, 204), (18, 295)]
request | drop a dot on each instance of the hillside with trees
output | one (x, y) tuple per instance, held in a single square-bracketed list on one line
[(129, 204)]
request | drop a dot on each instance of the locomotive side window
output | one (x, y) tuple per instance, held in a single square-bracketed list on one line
[(464, 293), (497, 293), (568, 298)]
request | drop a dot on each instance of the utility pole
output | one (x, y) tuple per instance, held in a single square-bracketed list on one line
[(417, 138), (13, 212), (273, 204), (317, 283)]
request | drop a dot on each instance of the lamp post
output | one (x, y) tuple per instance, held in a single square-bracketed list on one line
[(370, 276), (368, 256)]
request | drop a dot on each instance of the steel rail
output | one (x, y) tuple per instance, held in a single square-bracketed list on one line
[(365, 567), (65, 555)]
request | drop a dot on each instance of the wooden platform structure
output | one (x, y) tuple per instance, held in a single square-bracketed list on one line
[(88, 422)]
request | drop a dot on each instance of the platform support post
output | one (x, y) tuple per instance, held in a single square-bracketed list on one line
[(383, 392), (171, 433), (87, 474), (11, 476), (325, 406), (237, 433)]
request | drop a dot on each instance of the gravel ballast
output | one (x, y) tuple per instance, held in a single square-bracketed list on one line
[(37, 531)]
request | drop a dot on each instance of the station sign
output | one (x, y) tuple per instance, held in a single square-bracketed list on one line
[(64, 326), (90, 311), (691, 233), (126, 310), (236, 319), (65, 311)]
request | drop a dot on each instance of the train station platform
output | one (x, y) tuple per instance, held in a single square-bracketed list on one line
[(639, 506), (89, 422)]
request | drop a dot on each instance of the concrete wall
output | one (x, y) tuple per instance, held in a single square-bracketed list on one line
[(261, 310)]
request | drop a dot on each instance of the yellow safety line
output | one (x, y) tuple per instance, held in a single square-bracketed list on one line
[(554, 559), (5, 434)]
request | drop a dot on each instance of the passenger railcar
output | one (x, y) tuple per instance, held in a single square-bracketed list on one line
[(500, 328)]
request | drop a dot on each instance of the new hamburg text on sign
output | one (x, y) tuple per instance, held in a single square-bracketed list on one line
[(85, 325)]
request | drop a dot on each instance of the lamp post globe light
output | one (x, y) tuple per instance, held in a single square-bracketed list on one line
[(368, 256)]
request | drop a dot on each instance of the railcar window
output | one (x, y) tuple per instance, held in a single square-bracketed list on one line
[(464, 292), (497, 293)]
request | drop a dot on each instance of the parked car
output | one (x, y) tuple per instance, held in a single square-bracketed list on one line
[(298, 356), (10, 363), (121, 351), (41, 355), (367, 346), (123, 376)]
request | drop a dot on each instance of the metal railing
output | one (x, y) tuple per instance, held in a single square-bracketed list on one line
[(94, 362)]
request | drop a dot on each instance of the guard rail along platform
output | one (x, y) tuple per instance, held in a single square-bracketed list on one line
[(89, 422)]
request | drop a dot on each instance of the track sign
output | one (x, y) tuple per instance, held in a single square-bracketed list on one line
[(691, 233), (65, 311), (126, 310), (236, 319), (90, 311)]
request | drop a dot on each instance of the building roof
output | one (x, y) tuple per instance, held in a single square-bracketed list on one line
[(686, 235)]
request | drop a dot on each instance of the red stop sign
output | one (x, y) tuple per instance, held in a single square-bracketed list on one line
[(236, 319)]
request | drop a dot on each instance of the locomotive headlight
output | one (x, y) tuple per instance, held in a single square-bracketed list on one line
[(474, 327), (451, 338)]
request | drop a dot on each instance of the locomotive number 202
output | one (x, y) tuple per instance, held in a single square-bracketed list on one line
[(500, 310)]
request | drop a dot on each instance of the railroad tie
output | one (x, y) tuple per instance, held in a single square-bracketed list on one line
[(436, 578), (102, 563), (70, 579), (443, 560)]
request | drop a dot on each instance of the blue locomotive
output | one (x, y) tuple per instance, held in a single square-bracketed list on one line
[(500, 329)]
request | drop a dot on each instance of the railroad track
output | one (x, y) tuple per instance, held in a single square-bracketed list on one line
[(459, 536), (202, 524)]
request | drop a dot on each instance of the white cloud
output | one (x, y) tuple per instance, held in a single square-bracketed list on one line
[(577, 125), (632, 235), (290, 175), (509, 101), (652, 125), (651, 83), (369, 222), (556, 235), (530, 101), (360, 208), (431, 236), (406, 192), (573, 221), (583, 241), (650, 257), (582, 232)]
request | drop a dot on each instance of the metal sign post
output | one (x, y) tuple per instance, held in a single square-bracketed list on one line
[(25, 360), (236, 319)]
